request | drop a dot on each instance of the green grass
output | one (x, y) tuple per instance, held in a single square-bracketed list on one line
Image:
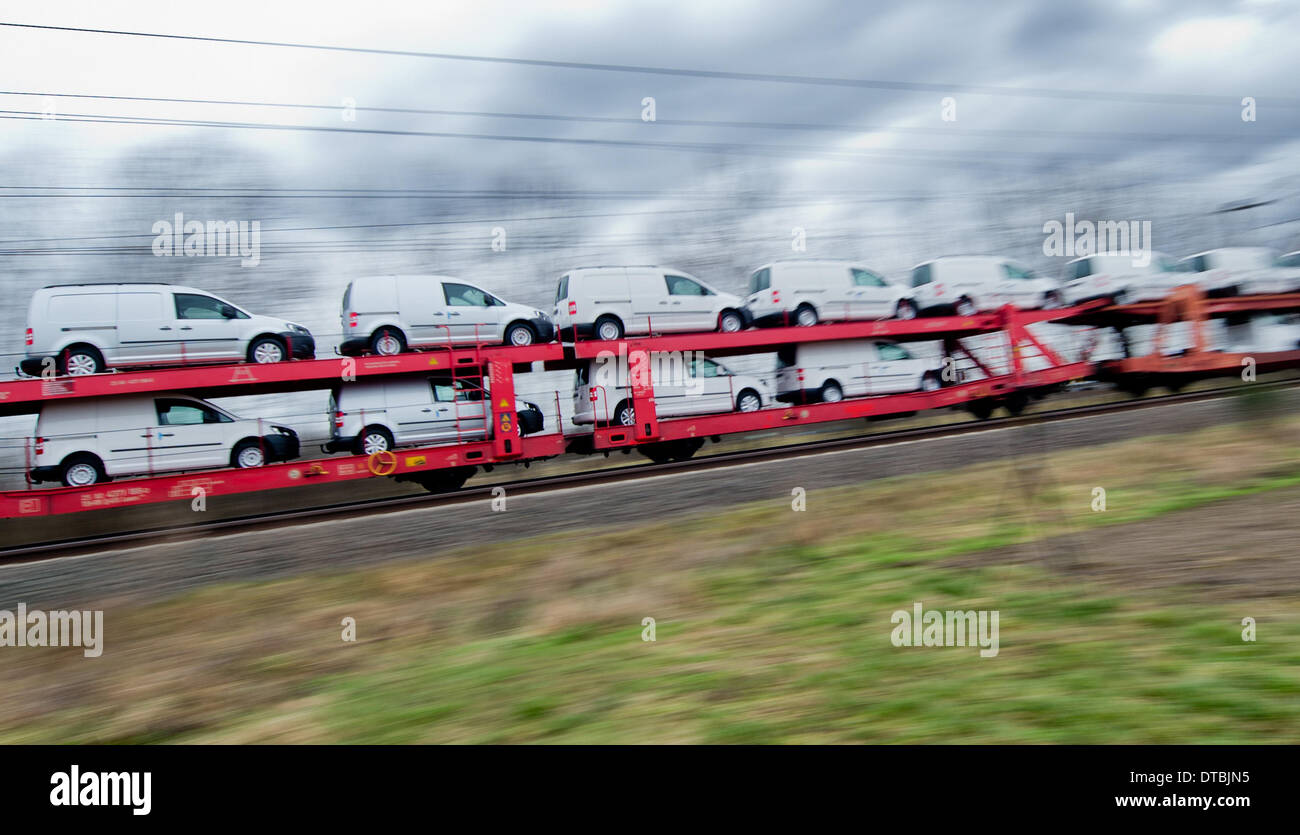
[(772, 626)]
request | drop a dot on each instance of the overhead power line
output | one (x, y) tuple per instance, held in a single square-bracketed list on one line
[(822, 81)]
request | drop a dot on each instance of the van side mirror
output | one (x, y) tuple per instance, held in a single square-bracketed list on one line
[(228, 312)]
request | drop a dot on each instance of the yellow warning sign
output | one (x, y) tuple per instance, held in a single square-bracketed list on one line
[(414, 460), (505, 404)]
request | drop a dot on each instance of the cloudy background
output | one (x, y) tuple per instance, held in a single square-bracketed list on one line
[(1111, 110)]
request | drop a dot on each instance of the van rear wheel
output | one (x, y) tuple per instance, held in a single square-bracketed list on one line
[(373, 439), (805, 316), (625, 414), (82, 470), (80, 360), (387, 341), (831, 392), (609, 328)]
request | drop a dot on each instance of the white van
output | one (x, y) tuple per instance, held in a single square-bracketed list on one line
[(84, 442), (831, 371), (806, 292), (1233, 270), (1116, 278), (87, 328), (691, 386), (377, 415), (965, 284), (612, 302), (387, 314)]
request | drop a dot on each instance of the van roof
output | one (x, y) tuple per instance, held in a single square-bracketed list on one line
[(109, 284), (624, 267), (985, 258)]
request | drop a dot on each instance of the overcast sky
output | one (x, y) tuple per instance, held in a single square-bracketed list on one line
[(874, 172)]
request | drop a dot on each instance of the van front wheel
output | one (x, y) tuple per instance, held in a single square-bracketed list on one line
[(805, 316), (82, 470), (248, 455), (520, 334), (730, 322), (266, 350)]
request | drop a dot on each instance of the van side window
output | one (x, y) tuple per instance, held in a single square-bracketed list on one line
[(760, 280), (866, 278), (194, 306), (680, 285), (443, 392), (921, 275), (462, 295), (562, 289), (889, 352), (1012, 271), (707, 368), (1081, 269), (187, 413)]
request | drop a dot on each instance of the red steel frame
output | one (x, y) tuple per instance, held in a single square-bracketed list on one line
[(26, 396), (649, 429), (505, 445)]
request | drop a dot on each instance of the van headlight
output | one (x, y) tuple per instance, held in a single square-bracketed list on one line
[(290, 326), (284, 430)]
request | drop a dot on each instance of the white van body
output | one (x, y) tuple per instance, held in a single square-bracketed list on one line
[(965, 284), (82, 442), (686, 386), (613, 302), (806, 292), (831, 371), (1242, 269), (1118, 279), (371, 416), (1267, 332), (87, 328), (387, 314)]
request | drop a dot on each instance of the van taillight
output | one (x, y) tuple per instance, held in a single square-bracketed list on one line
[(29, 337), (338, 419), (799, 374), (40, 446), (573, 308), (352, 320)]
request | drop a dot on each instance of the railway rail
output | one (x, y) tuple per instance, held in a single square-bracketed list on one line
[(264, 521)]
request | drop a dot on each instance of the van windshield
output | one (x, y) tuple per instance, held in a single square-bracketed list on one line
[(347, 296), (760, 281), (562, 289), (785, 356)]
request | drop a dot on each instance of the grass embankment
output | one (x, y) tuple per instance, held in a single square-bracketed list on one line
[(772, 626)]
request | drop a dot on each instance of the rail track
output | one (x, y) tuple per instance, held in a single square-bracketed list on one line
[(608, 475)]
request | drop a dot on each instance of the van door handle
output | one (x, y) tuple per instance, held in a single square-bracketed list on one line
[(160, 435), (187, 328), (426, 410), (165, 328)]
